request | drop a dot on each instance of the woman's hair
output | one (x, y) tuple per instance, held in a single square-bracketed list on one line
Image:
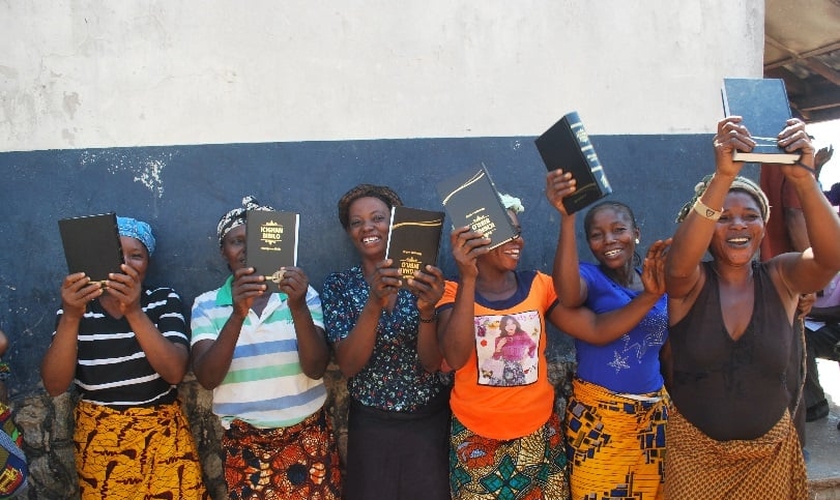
[(618, 207), (741, 184), (384, 193)]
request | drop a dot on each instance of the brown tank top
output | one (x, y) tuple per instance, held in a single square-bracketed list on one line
[(734, 389)]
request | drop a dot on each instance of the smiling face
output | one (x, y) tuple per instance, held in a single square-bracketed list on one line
[(135, 255), (367, 226), (612, 237), (507, 255), (233, 248), (739, 231)]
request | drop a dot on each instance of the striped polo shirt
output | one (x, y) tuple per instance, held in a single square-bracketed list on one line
[(265, 385), (112, 369)]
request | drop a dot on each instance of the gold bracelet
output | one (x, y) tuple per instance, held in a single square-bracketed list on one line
[(707, 212)]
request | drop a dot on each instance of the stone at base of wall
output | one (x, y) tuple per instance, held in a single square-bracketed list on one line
[(47, 427)]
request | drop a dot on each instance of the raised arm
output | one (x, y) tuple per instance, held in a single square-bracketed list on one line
[(58, 368), (427, 286), (312, 344), (692, 237), (456, 326), (212, 358), (565, 274), (810, 270), (353, 352), (169, 359)]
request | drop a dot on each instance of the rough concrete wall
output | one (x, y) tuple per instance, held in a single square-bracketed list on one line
[(77, 74)]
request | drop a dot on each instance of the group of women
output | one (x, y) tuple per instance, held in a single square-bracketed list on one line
[(448, 379)]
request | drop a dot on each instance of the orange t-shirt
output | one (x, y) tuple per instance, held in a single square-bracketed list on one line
[(503, 392)]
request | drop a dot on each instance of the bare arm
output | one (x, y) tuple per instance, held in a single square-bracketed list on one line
[(312, 344), (683, 272), (353, 352), (797, 232), (810, 270), (601, 329), (211, 358), (428, 287), (456, 326), (565, 274), (58, 368)]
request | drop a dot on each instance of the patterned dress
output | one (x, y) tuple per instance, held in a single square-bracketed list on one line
[(399, 413)]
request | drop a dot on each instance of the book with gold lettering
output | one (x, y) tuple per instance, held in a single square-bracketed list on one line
[(413, 239), (92, 245), (271, 239), (470, 199), (566, 145)]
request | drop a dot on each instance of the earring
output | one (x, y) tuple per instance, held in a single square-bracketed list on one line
[(637, 241)]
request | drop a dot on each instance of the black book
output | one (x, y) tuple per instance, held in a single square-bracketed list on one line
[(566, 145), (271, 239), (413, 239), (763, 105), (92, 245), (471, 199)]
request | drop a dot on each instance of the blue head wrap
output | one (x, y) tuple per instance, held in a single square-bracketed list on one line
[(139, 230)]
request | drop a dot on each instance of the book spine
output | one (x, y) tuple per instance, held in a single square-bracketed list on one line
[(588, 152)]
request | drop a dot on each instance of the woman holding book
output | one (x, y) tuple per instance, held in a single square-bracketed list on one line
[(126, 347), (264, 355), (503, 431), (383, 331), (616, 415), (732, 340)]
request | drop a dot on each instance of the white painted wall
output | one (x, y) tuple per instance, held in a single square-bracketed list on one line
[(77, 74)]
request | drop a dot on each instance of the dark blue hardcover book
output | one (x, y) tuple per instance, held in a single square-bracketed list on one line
[(763, 105)]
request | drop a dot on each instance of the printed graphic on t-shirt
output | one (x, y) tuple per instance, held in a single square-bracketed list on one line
[(507, 348)]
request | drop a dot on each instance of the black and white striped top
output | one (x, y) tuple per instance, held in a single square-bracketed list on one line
[(112, 369)]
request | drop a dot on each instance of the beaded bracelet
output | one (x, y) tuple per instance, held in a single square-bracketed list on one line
[(429, 320), (5, 371), (707, 212)]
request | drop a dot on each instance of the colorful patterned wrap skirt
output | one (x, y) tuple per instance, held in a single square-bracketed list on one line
[(299, 462), (139, 453), (532, 467), (615, 443), (770, 468)]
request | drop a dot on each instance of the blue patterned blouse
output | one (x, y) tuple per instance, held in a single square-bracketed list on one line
[(393, 379)]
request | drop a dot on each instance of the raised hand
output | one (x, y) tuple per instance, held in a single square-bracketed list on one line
[(794, 138), (384, 282), (467, 246), (246, 286), (295, 283), (427, 286), (76, 291), (653, 269), (558, 185), (125, 287), (731, 135)]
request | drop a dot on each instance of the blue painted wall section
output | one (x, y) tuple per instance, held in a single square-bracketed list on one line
[(183, 190)]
